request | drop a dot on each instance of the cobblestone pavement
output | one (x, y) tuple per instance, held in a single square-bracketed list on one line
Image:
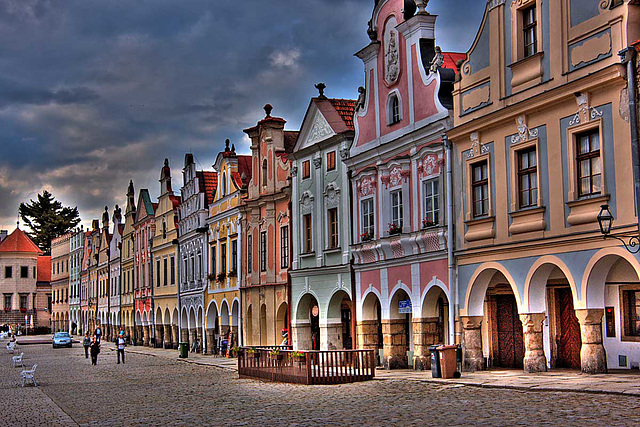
[(158, 391)]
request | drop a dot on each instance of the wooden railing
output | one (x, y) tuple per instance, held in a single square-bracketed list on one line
[(311, 367)]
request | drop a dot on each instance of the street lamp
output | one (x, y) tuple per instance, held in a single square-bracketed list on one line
[(605, 221)]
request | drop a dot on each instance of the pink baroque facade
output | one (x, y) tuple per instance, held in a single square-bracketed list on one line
[(398, 177)]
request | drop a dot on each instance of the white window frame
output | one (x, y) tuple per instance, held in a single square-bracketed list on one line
[(433, 183), (397, 208)]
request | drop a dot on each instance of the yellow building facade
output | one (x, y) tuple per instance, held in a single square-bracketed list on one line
[(128, 275), (222, 300), (164, 255)]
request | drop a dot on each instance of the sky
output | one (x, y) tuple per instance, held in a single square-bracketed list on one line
[(94, 93)]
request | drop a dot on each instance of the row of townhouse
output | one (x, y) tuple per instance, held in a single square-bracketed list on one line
[(421, 213)]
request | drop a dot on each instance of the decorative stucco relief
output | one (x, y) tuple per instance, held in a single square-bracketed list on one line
[(590, 49), (475, 97), (585, 113), (431, 165), (319, 129), (524, 133), (366, 186)]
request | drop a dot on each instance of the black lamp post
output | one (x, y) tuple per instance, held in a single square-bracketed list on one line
[(605, 221)]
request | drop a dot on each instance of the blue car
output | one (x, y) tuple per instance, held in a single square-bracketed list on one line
[(61, 339)]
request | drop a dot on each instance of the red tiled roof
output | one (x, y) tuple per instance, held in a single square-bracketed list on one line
[(208, 182), (290, 137), (44, 269), (346, 108), (244, 167), (450, 59), (175, 200), (18, 241)]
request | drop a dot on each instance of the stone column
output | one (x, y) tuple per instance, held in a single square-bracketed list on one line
[(167, 343), (534, 358), (159, 336), (367, 335), (211, 343), (425, 334), (301, 336), (145, 335), (185, 335), (593, 356), (128, 332), (331, 336), (140, 335), (199, 336), (395, 343), (472, 339), (175, 338)]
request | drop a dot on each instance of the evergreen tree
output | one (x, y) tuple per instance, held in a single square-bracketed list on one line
[(47, 219)]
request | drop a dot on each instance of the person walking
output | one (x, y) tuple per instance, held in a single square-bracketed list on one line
[(95, 350), (86, 342), (121, 347), (98, 334)]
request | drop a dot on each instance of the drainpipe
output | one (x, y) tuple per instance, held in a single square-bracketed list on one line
[(628, 58), (239, 279), (352, 272), (151, 282), (178, 264), (453, 288)]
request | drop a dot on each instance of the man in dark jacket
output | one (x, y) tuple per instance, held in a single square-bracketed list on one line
[(95, 350)]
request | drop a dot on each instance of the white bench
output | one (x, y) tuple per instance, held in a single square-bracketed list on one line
[(17, 360), (29, 375), (11, 346)]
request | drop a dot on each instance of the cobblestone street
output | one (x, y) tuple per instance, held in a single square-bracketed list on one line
[(156, 391)]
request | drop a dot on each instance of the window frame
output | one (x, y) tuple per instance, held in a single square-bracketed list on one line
[(331, 160), (394, 108), (480, 183), (588, 156), (223, 257), (249, 253), (24, 271), (234, 255), (284, 246), (436, 200), (306, 169), (397, 208), (307, 233), (625, 334), (368, 217), (8, 269), (333, 229), (529, 28), (263, 251), (528, 172)]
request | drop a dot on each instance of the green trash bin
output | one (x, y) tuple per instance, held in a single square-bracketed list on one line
[(183, 349)]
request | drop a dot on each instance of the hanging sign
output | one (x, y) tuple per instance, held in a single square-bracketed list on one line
[(404, 306)]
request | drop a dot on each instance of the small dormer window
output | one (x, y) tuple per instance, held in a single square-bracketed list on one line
[(264, 173), (394, 114)]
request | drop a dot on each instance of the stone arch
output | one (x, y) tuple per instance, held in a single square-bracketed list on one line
[(249, 322), (333, 312), (536, 283), (184, 319), (167, 316), (235, 313), (302, 306), (368, 305), (282, 321), (192, 319), (597, 270), (393, 297), (174, 318), (158, 317), (212, 314), (224, 313), (138, 318), (479, 283), (263, 324)]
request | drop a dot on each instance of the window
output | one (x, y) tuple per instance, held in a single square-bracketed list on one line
[(394, 109), (8, 272), (333, 228), (224, 184), (34, 272), (23, 302), (284, 247), (307, 235), (214, 260), (234, 256), (331, 160), (264, 173), (368, 216), (158, 273), (529, 27), (306, 169), (173, 271), (249, 254), (164, 230), (588, 161), (7, 301), (24, 272), (165, 271), (263, 251), (631, 312), (480, 189), (223, 258), (528, 177), (431, 203), (200, 275), (193, 268), (396, 208)]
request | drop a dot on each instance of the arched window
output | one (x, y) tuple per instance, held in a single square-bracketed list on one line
[(394, 114), (224, 184), (264, 173)]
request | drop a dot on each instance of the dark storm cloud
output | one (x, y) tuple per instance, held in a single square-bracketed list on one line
[(94, 93)]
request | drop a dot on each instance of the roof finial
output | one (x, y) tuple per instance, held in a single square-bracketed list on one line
[(226, 145), (321, 87), (166, 161), (267, 109), (18, 222)]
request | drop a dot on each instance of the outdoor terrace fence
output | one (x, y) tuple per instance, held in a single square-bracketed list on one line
[(308, 367)]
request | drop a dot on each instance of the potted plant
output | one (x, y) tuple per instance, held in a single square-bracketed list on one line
[(251, 352), (394, 228), (298, 356), (211, 277), (222, 276), (366, 236), (428, 223), (275, 354), (233, 273)]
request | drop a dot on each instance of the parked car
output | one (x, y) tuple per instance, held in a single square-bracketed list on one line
[(61, 339)]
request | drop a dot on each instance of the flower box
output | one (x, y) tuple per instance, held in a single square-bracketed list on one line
[(394, 229), (426, 223), (278, 356), (365, 237)]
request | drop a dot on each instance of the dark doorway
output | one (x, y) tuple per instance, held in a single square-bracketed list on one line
[(314, 317), (510, 352), (345, 315), (568, 339)]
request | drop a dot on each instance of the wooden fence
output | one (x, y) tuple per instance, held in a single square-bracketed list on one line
[(312, 367)]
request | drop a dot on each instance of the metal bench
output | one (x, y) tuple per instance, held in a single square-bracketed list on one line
[(11, 346), (29, 375), (17, 360)]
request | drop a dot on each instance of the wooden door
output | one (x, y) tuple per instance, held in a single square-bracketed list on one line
[(509, 330), (568, 339)]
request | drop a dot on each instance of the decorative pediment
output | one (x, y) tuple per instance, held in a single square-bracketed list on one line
[(320, 129)]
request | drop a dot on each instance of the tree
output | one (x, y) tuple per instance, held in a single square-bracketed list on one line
[(47, 219)]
